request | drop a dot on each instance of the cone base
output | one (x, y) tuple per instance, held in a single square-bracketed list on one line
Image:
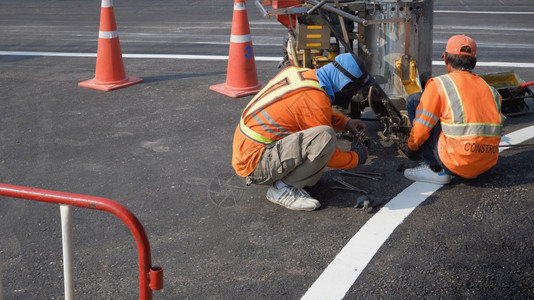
[(234, 92), (109, 86)]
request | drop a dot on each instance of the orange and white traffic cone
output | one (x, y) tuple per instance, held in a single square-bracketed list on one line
[(109, 72), (241, 76)]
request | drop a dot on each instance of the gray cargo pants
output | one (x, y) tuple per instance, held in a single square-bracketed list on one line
[(298, 159)]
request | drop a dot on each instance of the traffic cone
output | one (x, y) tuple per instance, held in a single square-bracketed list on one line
[(109, 72), (241, 76)]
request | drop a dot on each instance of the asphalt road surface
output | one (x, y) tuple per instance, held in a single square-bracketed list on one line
[(162, 148)]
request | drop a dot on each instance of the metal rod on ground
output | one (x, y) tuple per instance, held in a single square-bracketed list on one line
[(66, 237), (517, 146)]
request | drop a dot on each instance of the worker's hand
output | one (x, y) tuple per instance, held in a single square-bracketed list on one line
[(361, 151), (355, 126), (412, 155)]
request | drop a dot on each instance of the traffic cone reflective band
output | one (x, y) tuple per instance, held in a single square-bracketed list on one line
[(109, 73), (241, 76)]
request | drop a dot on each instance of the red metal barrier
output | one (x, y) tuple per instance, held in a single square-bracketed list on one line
[(150, 278)]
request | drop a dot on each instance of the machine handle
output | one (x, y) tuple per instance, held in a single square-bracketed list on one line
[(524, 85), (262, 9), (309, 12), (340, 12)]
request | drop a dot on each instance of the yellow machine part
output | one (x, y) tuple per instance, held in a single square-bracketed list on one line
[(319, 61), (411, 84), (501, 80)]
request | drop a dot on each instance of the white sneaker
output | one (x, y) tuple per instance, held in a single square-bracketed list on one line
[(423, 173), (292, 198)]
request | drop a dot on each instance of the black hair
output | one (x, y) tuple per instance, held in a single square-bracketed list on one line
[(461, 62)]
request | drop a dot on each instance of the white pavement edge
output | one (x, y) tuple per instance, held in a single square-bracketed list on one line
[(343, 271)]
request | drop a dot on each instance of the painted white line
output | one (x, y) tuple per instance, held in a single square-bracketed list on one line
[(492, 64), (28, 53), (492, 29), (224, 57), (343, 271), (172, 56), (486, 12), (491, 45), (505, 64)]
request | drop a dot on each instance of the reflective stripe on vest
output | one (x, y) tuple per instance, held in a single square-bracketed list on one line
[(428, 124), (286, 81), (459, 127)]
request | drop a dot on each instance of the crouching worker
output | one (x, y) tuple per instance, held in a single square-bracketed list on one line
[(286, 135), (456, 121)]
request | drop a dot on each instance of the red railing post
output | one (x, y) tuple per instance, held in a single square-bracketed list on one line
[(150, 278)]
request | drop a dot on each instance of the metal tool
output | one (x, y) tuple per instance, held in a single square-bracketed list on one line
[(346, 186), (365, 203), (361, 139), (362, 174)]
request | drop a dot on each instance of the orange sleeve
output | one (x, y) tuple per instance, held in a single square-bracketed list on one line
[(314, 109), (427, 116), (343, 160), (339, 120)]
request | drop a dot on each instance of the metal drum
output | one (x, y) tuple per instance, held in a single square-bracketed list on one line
[(397, 33)]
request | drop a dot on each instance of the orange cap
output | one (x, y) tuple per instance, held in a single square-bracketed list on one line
[(456, 42)]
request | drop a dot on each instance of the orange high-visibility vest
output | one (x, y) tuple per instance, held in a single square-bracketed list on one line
[(291, 102), (260, 126), (471, 122)]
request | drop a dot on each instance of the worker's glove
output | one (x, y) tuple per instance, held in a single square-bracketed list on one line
[(412, 155), (360, 149)]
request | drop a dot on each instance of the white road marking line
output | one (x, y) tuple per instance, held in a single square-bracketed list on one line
[(481, 28), (486, 12), (224, 57), (172, 56), (343, 271), (492, 64)]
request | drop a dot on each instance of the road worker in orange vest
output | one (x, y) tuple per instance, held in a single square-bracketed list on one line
[(456, 121), (286, 136)]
